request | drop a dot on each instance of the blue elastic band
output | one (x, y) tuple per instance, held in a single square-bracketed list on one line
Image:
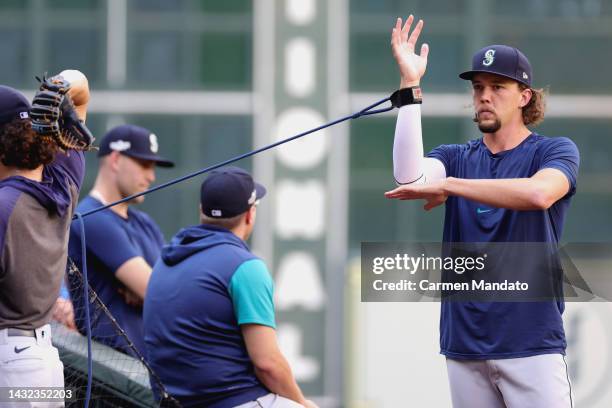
[(364, 112), (87, 317)]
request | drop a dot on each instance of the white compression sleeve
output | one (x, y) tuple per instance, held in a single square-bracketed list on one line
[(408, 145), (409, 165)]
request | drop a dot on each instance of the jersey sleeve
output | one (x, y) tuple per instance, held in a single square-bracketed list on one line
[(71, 164), (562, 154), (105, 239), (447, 154), (252, 290), (8, 200), (156, 233)]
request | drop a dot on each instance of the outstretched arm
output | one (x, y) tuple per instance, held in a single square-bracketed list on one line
[(537, 192), (409, 165)]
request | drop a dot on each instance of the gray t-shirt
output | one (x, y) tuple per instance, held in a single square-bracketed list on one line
[(34, 228)]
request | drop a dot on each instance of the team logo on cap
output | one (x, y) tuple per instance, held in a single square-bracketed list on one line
[(120, 145), (23, 115), (216, 213), (489, 57), (252, 198), (154, 144), (525, 76)]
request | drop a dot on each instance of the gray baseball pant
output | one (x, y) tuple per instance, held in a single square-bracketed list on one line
[(271, 401), (540, 381)]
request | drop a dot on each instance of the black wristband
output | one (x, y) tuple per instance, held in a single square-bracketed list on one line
[(407, 96)]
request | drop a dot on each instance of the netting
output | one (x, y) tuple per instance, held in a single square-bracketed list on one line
[(120, 375), (119, 380)]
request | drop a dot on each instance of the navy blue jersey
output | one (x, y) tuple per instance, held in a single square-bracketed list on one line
[(206, 284), (111, 240), (479, 330)]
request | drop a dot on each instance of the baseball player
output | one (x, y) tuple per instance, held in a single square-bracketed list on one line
[(39, 186), (510, 185), (209, 311), (122, 243)]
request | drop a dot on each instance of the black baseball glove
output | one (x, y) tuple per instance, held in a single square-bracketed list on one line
[(53, 115)]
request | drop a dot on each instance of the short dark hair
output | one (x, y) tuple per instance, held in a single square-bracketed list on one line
[(21, 147), (227, 223)]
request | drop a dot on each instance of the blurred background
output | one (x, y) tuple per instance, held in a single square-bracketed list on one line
[(214, 79)]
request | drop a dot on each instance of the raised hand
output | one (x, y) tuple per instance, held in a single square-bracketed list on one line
[(412, 66), (79, 90)]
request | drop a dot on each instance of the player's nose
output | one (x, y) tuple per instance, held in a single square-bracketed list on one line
[(150, 174), (485, 94)]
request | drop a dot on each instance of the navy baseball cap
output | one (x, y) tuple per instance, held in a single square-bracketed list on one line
[(501, 60), (13, 105), (228, 192), (133, 141)]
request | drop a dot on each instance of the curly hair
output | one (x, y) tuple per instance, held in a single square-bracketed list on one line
[(533, 112), (21, 147)]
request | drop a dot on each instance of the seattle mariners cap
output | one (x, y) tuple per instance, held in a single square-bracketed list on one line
[(133, 141), (13, 105), (228, 192), (501, 60)]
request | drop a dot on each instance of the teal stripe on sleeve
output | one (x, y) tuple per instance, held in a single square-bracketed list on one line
[(252, 292)]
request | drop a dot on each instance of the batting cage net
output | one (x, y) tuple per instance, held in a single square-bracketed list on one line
[(120, 375)]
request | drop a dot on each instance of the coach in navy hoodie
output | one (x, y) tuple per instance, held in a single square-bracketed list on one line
[(209, 311)]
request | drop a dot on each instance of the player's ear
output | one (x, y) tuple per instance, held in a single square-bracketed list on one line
[(111, 160), (250, 215), (526, 95), (116, 156), (200, 214)]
